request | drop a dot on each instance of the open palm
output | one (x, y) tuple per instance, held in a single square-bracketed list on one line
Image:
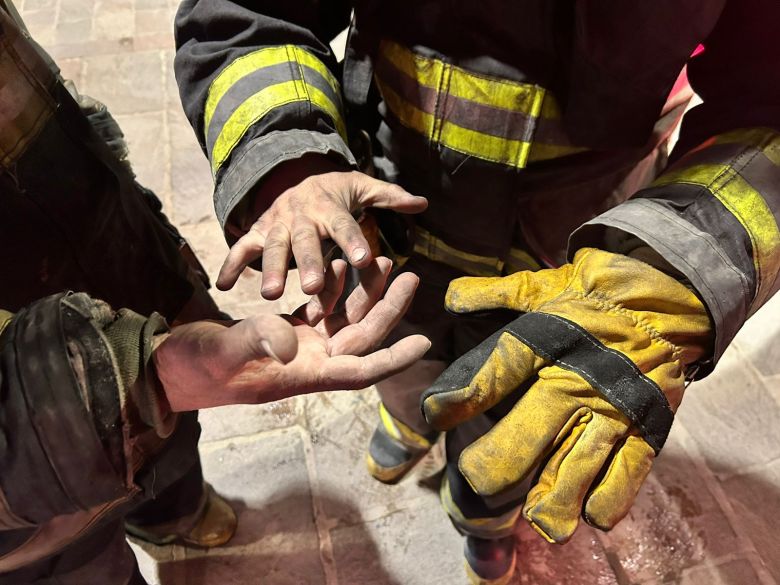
[(269, 357)]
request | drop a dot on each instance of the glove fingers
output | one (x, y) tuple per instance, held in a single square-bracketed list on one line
[(522, 291), (516, 445), (612, 498), (479, 380), (554, 504)]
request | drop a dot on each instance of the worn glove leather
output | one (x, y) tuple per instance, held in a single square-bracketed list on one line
[(601, 354)]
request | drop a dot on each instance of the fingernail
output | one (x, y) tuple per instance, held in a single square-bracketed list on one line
[(267, 349), (358, 254), (270, 285)]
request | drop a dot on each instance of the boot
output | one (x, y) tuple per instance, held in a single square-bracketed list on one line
[(395, 448), (490, 562), (212, 524)]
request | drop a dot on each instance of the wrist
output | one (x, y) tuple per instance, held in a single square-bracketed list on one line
[(284, 176)]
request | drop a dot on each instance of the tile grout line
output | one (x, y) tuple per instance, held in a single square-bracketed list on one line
[(167, 148), (692, 446), (320, 517)]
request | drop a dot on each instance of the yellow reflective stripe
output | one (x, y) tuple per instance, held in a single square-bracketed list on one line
[(305, 58), (5, 319), (498, 93), (437, 250), (493, 148), (251, 62), (483, 527), (424, 71), (237, 70), (489, 91), (323, 102), (540, 151), (750, 209), (401, 432), (250, 112), (258, 105), (457, 138), (449, 81), (765, 139), (409, 115)]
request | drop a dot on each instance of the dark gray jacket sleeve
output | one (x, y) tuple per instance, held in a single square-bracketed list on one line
[(260, 86), (714, 213)]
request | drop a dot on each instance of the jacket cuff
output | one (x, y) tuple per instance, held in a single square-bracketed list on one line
[(722, 286), (261, 155)]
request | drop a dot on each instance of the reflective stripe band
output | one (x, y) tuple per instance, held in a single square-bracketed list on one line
[(489, 118), (401, 432), (474, 87), (736, 188), (5, 319), (261, 59), (495, 527), (438, 250), (284, 75), (765, 139), (540, 151)]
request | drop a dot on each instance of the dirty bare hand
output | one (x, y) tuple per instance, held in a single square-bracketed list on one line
[(269, 357), (318, 207)]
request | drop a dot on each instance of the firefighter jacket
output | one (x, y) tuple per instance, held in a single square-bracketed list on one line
[(80, 411), (520, 121)]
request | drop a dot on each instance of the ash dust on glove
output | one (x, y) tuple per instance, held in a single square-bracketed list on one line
[(604, 343)]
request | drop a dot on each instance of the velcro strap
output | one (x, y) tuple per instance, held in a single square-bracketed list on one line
[(610, 372)]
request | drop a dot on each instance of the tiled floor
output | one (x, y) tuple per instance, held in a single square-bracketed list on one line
[(309, 514)]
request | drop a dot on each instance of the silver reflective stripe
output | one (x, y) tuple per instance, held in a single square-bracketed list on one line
[(723, 286)]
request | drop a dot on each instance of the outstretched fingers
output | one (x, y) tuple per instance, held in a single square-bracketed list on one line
[(321, 305), (276, 259), (378, 193), (363, 298), (307, 250), (349, 372), (247, 249), (381, 319)]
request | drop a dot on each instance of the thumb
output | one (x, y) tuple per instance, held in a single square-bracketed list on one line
[(376, 193), (256, 338), (522, 291)]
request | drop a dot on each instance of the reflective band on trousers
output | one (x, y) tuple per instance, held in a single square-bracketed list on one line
[(498, 527), (486, 117), (736, 185), (438, 250), (253, 85)]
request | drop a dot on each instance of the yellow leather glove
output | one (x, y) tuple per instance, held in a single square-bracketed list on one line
[(602, 349)]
